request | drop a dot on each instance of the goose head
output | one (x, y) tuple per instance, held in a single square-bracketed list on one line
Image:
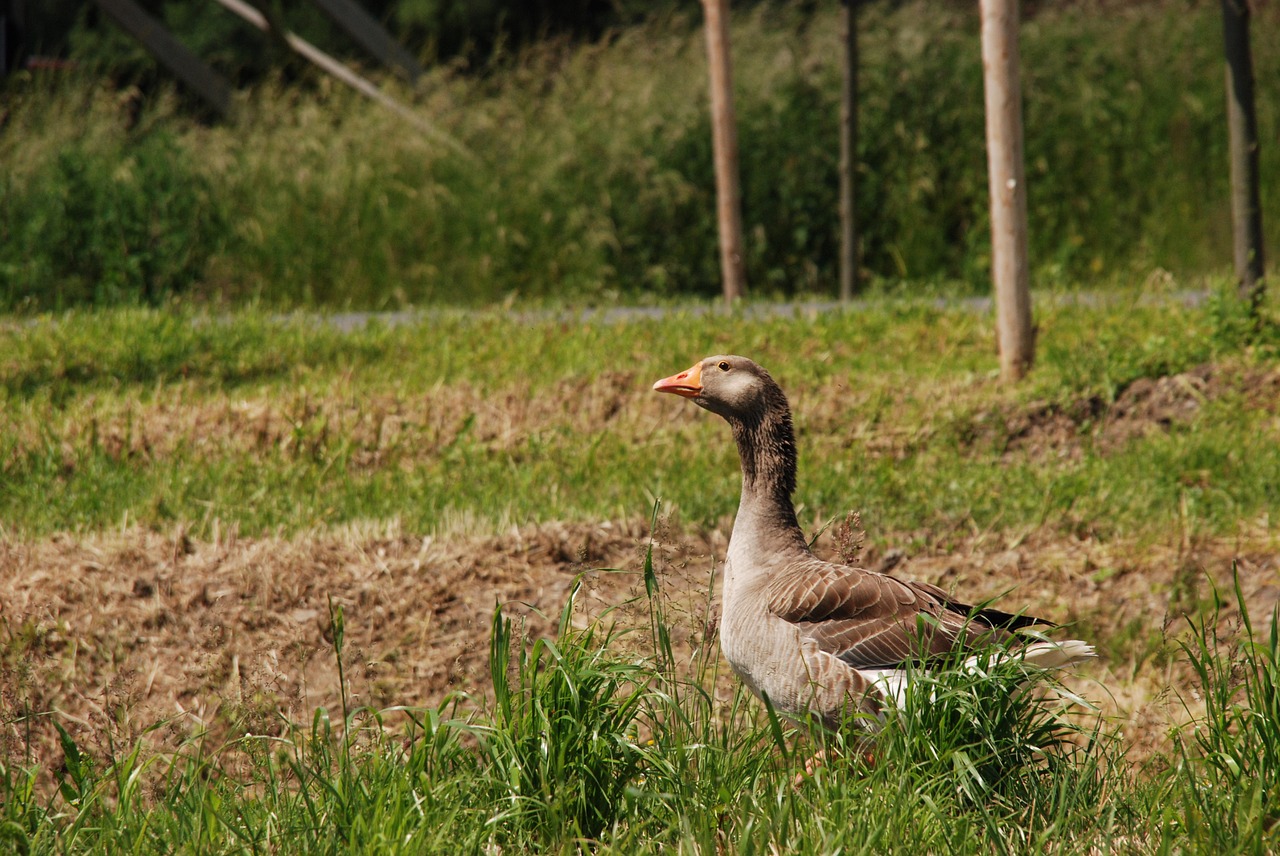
[(730, 386), (753, 404)]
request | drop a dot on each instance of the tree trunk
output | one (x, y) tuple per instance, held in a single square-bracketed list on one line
[(1009, 269), (724, 137), (849, 154), (1242, 125)]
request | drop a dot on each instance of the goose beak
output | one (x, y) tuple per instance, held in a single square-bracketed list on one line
[(687, 384)]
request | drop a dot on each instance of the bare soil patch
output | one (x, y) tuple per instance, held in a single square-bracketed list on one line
[(112, 633), (1144, 407)]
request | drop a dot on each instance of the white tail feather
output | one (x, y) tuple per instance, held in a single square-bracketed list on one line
[(1055, 655), (1042, 655)]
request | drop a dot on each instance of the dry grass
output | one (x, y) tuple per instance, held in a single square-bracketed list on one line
[(115, 632)]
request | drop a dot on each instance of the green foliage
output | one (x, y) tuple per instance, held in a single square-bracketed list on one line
[(983, 732), (129, 223), (21, 815), (592, 175), (562, 750), (1240, 322)]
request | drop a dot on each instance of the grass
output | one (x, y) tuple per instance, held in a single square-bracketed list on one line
[(1144, 421), (593, 744), (315, 197), (168, 418), (1228, 762)]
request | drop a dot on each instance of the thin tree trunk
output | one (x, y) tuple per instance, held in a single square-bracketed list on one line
[(724, 137), (849, 153), (1009, 268), (1242, 125)]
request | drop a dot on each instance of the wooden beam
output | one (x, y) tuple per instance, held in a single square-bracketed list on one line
[(849, 152), (171, 53), (1242, 126), (13, 28), (370, 35), (1007, 186), (724, 137), (346, 75)]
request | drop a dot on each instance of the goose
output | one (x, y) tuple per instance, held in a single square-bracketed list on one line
[(825, 641)]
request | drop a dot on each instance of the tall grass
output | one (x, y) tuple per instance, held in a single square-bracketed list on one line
[(1229, 757), (563, 748), (592, 174), (587, 747)]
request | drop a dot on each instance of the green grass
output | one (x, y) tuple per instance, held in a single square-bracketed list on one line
[(166, 418), (602, 738), (595, 745), (1229, 764), (592, 177)]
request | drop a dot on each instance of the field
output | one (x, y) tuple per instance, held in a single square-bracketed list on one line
[(249, 568)]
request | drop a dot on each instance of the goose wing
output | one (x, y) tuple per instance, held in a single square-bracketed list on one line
[(875, 621)]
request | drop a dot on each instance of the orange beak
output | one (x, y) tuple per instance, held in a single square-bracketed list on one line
[(687, 384)]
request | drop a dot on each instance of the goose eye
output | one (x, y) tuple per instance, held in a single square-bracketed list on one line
[(723, 366)]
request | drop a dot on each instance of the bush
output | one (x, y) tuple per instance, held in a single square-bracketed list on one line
[(592, 171), (108, 226)]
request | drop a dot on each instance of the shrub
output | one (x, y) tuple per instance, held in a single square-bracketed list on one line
[(124, 224)]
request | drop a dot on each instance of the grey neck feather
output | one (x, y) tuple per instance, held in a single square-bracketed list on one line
[(767, 447)]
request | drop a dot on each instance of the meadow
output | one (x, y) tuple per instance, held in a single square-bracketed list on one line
[(188, 496)]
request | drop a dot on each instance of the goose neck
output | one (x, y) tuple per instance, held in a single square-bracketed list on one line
[(767, 449)]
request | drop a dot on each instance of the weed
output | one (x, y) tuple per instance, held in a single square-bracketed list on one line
[(563, 747), (1229, 756)]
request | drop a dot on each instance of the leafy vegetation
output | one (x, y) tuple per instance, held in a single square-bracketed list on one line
[(1228, 763), (592, 180), (127, 224)]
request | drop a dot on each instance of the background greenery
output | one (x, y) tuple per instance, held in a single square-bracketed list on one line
[(591, 177)]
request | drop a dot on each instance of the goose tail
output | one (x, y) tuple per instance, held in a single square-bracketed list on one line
[(1056, 655)]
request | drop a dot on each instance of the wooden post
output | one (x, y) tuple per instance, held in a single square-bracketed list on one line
[(1008, 190), (724, 137), (849, 153), (171, 53), (13, 15), (331, 66), (1242, 125), (366, 30)]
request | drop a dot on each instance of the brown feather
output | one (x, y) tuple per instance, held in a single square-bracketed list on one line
[(872, 620)]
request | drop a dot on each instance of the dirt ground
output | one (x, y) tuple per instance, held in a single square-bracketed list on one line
[(111, 634)]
